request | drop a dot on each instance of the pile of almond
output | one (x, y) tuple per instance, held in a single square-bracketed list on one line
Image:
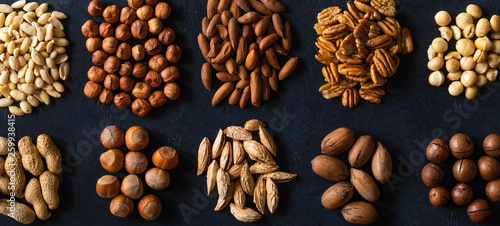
[(334, 169), (234, 174)]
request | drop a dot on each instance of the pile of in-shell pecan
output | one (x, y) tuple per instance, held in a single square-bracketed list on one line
[(360, 46)]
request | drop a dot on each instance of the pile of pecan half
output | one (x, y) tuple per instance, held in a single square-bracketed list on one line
[(360, 46)]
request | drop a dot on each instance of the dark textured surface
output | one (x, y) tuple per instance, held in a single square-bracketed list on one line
[(410, 115)]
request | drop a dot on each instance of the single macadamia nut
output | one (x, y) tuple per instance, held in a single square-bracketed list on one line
[(474, 10), (464, 170), (467, 63), (436, 78), (463, 19), (456, 88), (492, 74), (493, 190), (491, 145), (432, 175), (437, 151), (435, 64), (479, 211), (469, 78), (462, 194), (442, 18), (461, 146), (465, 47), (439, 45), (471, 92)]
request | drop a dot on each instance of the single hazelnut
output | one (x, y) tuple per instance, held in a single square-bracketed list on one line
[(96, 74), (138, 52), (92, 89), (109, 45), (122, 32), (112, 64), (141, 90), (106, 30), (153, 46), (93, 44), (157, 99), (112, 82), (153, 79), (95, 8), (136, 138), (167, 36), (121, 206), (139, 29), (165, 158), (90, 29), (132, 186), (111, 14), (150, 207), (172, 90), (157, 178), (136, 162), (145, 12), (135, 4), (461, 146), (126, 84), (127, 15), (122, 100), (108, 186), (174, 53), (112, 137), (125, 69), (124, 51), (162, 10), (99, 57), (106, 96), (170, 74), (155, 26), (151, 2), (112, 160), (158, 63), (139, 70), (141, 107)]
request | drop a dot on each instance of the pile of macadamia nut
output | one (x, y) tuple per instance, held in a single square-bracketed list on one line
[(474, 61)]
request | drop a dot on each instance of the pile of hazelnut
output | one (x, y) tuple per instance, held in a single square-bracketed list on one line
[(136, 139), (112, 55), (465, 171)]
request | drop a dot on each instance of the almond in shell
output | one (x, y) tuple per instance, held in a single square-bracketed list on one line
[(238, 152), (253, 125), (365, 185), (338, 141), (267, 141), (246, 180), (263, 168), (280, 177), (235, 170), (223, 183), (361, 151), (272, 195), (257, 152), (218, 144), (360, 213), (222, 202), (239, 195), (337, 195), (381, 164), (203, 155), (226, 158), (244, 214), (259, 194), (330, 168), (238, 133), (212, 176)]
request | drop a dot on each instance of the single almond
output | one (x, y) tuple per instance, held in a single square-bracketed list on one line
[(212, 176), (254, 124), (337, 195), (267, 141), (288, 68), (235, 170), (261, 26), (243, 4), (361, 151), (244, 214), (241, 51), (218, 144), (278, 24), (274, 5), (204, 46), (246, 179), (239, 195), (212, 26), (257, 152), (280, 177), (203, 155), (266, 89), (268, 41), (272, 59), (255, 88), (365, 185), (238, 133), (245, 96), (287, 37), (259, 7), (224, 54), (222, 202), (252, 60), (233, 32), (249, 18), (212, 8), (381, 164), (226, 158), (273, 81), (235, 97), (263, 168), (222, 93), (227, 77), (206, 76), (259, 194), (238, 152)]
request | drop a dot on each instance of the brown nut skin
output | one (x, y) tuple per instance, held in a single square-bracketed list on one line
[(125, 69), (157, 99), (112, 64), (480, 211), (112, 82), (139, 29), (141, 107), (122, 100), (153, 79), (157, 178), (136, 138), (361, 151), (155, 26), (165, 158), (150, 207), (139, 70), (174, 53), (112, 137), (92, 89), (464, 170), (126, 84), (158, 63), (491, 145), (109, 45), (124, 51), (112, 160), (151, 2), (121, 206), (138, 52), (90, 29), (162, 10), (167, 36), (95, 8), (462, 194), (96, 74), (106, 96), (106, 30), (170, 74), (122, 32), (172, 90), (141, 90), (107, 186), (438, 151), (432, 175), (338, 141), (111, 14), (461, 146), (127, 15), (493, 190), (136, 162), (330, 168), (135, 4), (489, 168), (99, 57), (145, 12), (93, 44), (153, 46), (337, 195), (360, 213), (439, 196), (132, 186)]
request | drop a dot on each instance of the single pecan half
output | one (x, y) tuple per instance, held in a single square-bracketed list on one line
[(390, 26), (322, 43), (335, 32), (326, 57), (406, 43), (331, 74), (358, 79), (373, 95), (385, 7), (354, 11), (352, 70), (384, 62), (349, 20), (319, 28), (379, 42), (331, 91), (375, 76), (363, 7), (328, 16), (368, 85), (350, 98), (374, 31)]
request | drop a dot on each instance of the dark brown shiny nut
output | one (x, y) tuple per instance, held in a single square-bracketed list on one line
[(439, 196), (141, 107), (461, 146), (139, 70), (172, 90), (153, 79), (106, 30), (92, 89), (432, 175), (162, 10), (438, 151), (145, 12), (170, 74), (122, 32), (139, 29), (122, 100), (126, 84), (489, 167), (125, 68), (111, 14), (174, 53), (361, 152), (106, 96), (153, 46), (96, 74), (95, 8), (135, 4), (141, 90), (480, 211), (90, 29), (491, 145), (127, 15), (464, 170), (112, 82), (109, 45), (167, 36), (151, 2), (93, 44), (124, 51), (157, 99), (462, 194), (158, 62), (155, 26), (493, 190), (99, 57), (138, 52), (112, 64)]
